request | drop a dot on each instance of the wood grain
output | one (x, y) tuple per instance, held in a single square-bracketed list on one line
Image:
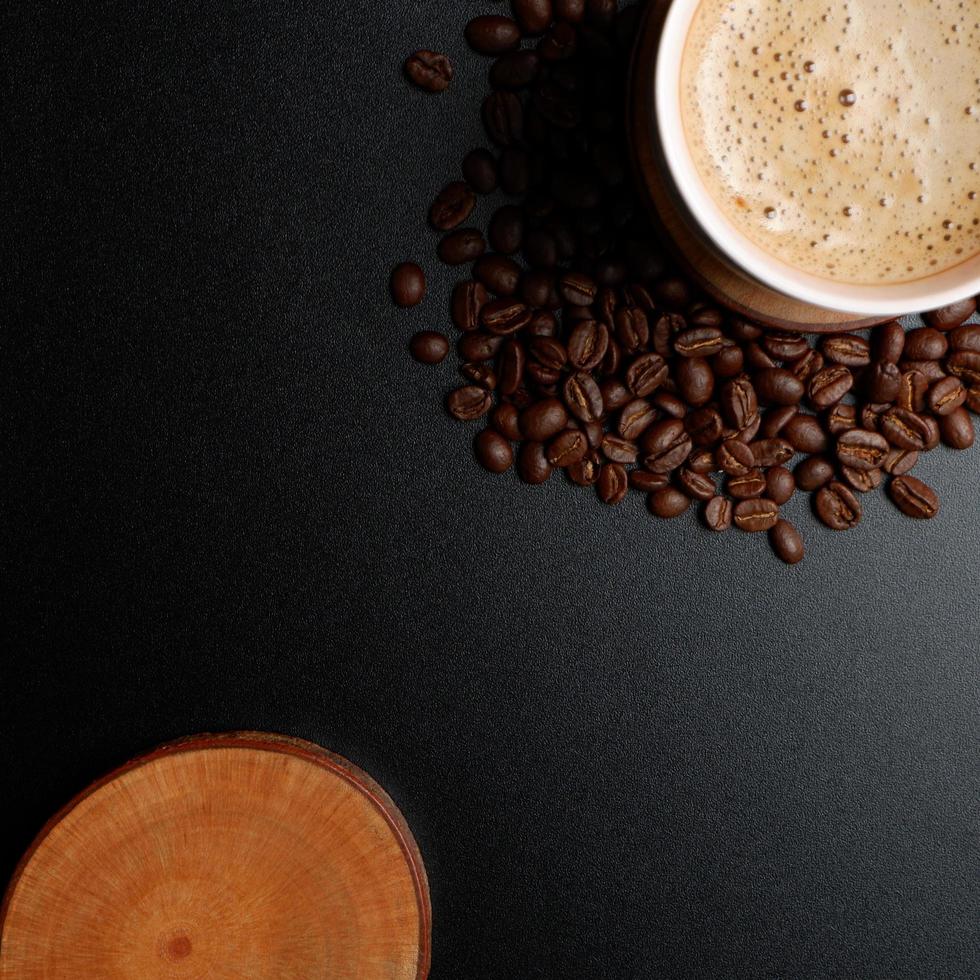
[(232, 856)]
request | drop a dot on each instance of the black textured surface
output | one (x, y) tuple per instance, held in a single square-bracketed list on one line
[(627, 748)]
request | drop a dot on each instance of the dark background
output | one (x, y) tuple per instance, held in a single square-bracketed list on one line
[(627, 748)]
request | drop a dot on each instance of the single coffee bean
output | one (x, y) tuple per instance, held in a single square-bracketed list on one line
[(583, 397), (666, 445), (805, 434), (669, 404), (429, 70), (735, 458), (478, 346), (593, 432), (775, 421), (615, 394), (480, 373), (571, 10), (913, 497), (883, 381), (461, 246), (587, 344), (965, 338), (533, 15), (694, 380), (747, 434), (757, 358), (780, 485), (841, 418), (847, 349), (577, 288), (505, 316), (743, 331), (702, 461), (925, 344), (480, 171), (549, 352), (619, 450), (665, 328), (506, 230), (668, 503), (871, 414), (514, 70), (898, 462), (965, 365), (771, 452), (829, 386), (728, 362), (739, 402), (429, 347), (905, 429), (645, 374), (632, 329), (636, 417), (498, 273), (933, 370), (468, 299), (511, 366), (756, 515), (704, 425), (888, 342), (746, 486), (505, 418), (777, 386), (813, 473), (567, 447), (503, 118), (407, 284), (543, 419), (699, 341), (837, 506), (783, 346), (946, 396), (698, 486), (613, 483), (786, 542), (532, 463), (864, 481), (586, 472), (468, 403), (718, 513), (493, 451), (912, 391), (452, 206), (861, 449), (648, 482), (492, 34), (559, 42), (952, 316), (807, 365), (957, 429)]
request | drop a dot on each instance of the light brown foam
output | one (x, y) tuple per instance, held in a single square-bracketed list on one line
[(843, 139)]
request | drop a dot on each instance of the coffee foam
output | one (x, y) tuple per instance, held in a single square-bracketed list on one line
[(843, 139)]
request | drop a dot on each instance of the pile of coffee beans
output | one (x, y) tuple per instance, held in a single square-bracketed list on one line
[(582, 350)]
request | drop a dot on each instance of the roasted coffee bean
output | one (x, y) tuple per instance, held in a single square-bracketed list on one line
[(841, 418), (746, 434), (668, 502), (493, 451), (498, 273), (757, 358), (829, 386), (898, 462), (904, 429), (549, 352), (587, 344), (559, 42), (480, 171), (673, 293), (532, 463), (452, 207), (505, 418), (912, 391), (543, 419), (933, 370), (864, 481), (807, 365), (883, 381), (771, 452), (704, 425), (861, 449), (492, 34), (648, 482), (871, 414), (888, 342), (702, 461), (756, 515), (847, 349), (728, 362), (665, 328), (577, 288), (505, 316), (837, 506), (746, 486), (583, 397), (468, 403), (461, 246), (743, 331), (429, 347), (632, 329), (646, 374), (511, 366), (694, 380), (666, 446), (480, 373), (777, 386), (636, 417), (718, 513), (618, 449), (735, 458), (775, 420), (925, 344), (965, 365), (669, 404), (782, 346), (593, 432), (478, 346), (407, 284), (699, 341), (569, 446), (429, 70), (514, 70), (946, 396), (973, 399), (952, 316), (539, 289), (533, 15), (957, 429), (813, 473), (468, 299), (706, 316), (786, 542), (739, 402), (780, 485), (805, 434), (613, 483), (913, 497), (696, 485), (615, 394), (965, 338), (506, 230), (933, 432), (571, 10), (585, 473), (503, 118)]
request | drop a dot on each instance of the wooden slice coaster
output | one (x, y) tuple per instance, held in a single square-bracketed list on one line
[(720, 279), (240, 856)]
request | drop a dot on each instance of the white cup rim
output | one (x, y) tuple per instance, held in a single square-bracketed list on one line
[(929, 293)]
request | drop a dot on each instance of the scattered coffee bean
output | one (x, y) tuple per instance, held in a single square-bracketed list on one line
[(805, 434), (407, 284), (480, 171), (583, 397), (952, 316), (452, 207), (777, 386), (429, 347), (569, 446), (813, 473), (493, 451), (913, 497), (889, 342), (925, 344), (898, 462), (786, 542), (666, 445), (829, 386), (965, 338), (747, 485), (532, 463), (668, 502), (429, 70), (861, 449), (847, 349), (469, 403), (586, 472), (946, 395), (461, 246), (759, 514), (613, 483), (492, 34), (957, 429), (780, 485), (905, 429), (648, 482), (543, 419), (864, 481), (771, 452), (505, 418), (719, 513), (698, 486), (837, 507), (514, 70)]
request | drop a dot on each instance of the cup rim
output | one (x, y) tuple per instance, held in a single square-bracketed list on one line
[(950, 286)]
